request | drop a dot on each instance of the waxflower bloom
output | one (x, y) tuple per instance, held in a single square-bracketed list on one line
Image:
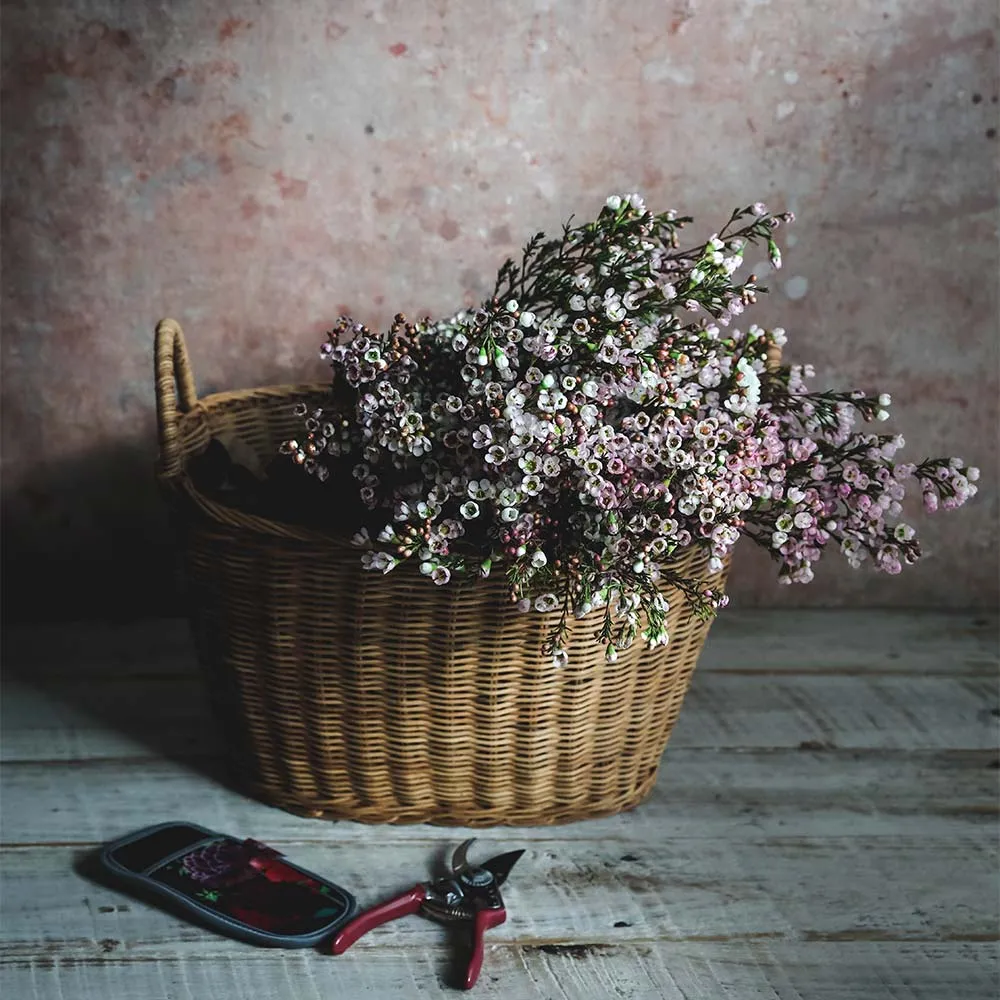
[(601, 412)]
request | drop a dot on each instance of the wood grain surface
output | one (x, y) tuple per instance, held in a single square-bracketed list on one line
[(824, 826)]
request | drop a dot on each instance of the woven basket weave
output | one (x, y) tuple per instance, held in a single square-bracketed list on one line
[(348, 694)]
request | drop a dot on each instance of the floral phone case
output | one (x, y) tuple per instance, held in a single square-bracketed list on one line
[(240, 887)]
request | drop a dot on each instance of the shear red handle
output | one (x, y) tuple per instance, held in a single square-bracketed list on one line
[(408, 902), (485, 919)]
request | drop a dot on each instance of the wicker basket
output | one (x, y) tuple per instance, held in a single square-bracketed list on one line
[(352, 695)]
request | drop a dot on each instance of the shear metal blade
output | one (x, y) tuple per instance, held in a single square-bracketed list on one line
[(502, 864), (459, 860)]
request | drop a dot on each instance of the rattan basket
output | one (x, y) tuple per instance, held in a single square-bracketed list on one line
[(352, 695)]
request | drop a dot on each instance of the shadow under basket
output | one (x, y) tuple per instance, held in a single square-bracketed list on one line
[(348, 694)]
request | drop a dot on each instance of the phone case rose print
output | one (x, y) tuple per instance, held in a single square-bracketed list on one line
[(249, 882)]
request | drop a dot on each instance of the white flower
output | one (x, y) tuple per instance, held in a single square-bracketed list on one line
[(885, 399), (636, 202), (882, 415), (749, 381), (710, 376), (546, 602), (531, 485), (508, 497), (441, 574), (527, 319), (512, 305), (538, 559), (469, 510), (614, 202)]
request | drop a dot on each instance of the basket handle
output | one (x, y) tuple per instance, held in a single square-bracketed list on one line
[(175, 391)]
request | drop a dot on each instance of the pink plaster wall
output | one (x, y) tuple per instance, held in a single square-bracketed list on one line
[(254, 169)]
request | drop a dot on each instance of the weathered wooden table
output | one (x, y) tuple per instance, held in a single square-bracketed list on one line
[(825, 826)]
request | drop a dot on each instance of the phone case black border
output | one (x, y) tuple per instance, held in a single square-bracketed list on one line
[(219, 921)]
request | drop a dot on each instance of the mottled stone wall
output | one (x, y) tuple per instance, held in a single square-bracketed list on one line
[(254, 169)]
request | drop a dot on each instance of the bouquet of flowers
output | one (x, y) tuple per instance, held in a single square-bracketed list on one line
[(603, 410)]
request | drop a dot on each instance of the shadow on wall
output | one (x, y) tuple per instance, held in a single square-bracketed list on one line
[(90, 539)]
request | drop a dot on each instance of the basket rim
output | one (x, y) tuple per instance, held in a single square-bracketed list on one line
[(180, 484)]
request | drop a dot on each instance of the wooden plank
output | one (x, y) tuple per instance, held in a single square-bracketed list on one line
[(153, 716), (134, 716), (814, 640), (825, 826), (630, 971), (853, 641), (885, 711), (700, 793), (608, 891)]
